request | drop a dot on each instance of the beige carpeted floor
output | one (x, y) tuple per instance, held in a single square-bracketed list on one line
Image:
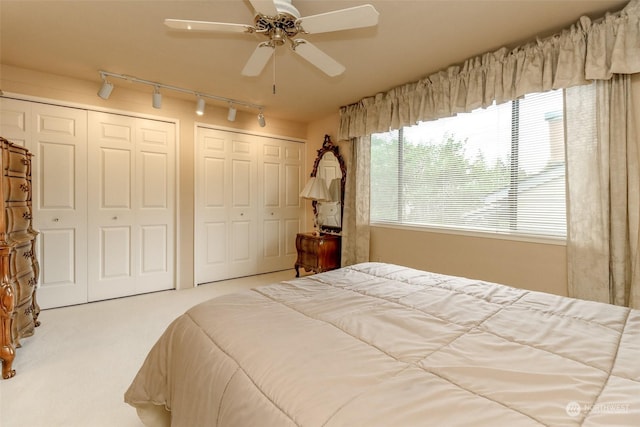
[(76, 368)]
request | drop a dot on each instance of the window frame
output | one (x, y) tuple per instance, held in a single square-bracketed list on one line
[(513, 234)]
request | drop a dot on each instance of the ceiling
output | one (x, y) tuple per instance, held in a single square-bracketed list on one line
[(413, 39)]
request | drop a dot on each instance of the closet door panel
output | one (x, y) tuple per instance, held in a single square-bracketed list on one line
[(132, 206), (111, 216), (213, 177), (154, 205), (281, 166), (115, 250), (15, 120), (154, 240), (59, 143), (242, 210)]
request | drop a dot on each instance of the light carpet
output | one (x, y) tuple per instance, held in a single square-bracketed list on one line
[(75, 369)]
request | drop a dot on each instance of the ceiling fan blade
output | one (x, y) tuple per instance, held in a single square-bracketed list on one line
[(180, 24), (264, 7), (343, 19), (318, 58), (258, 60)]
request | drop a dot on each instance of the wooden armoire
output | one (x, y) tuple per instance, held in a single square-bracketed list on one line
[(18, 264)]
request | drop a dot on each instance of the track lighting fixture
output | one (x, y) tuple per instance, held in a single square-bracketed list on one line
[(107, 87), (231, 116), (156, 101), (200, 106)]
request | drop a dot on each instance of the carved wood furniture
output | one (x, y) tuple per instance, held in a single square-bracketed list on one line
[(18, 264), (317, 253)]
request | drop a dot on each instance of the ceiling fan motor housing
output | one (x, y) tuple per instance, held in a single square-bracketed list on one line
[(279, 28)]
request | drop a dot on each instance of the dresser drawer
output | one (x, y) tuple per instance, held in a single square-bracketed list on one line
[(309, 245), (22, 259), (17, 189), (16, 161), (25, 286), (17, 218), (23, 322)]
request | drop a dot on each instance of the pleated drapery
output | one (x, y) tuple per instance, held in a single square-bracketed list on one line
[(588, 50)]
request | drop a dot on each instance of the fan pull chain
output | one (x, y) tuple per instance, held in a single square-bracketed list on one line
[(274, 72)]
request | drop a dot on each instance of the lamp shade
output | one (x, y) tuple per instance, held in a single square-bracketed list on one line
[(316, 189)]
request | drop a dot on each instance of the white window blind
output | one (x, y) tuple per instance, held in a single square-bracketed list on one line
[(500, 169)]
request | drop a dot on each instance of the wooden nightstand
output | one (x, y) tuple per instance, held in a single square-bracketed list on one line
[(317, 253)]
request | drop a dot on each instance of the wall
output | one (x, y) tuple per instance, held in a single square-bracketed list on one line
[(528, 265), (135, 100)]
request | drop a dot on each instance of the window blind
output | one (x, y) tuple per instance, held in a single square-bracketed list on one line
[(499, 169)]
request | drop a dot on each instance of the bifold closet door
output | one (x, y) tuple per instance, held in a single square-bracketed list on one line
[(57, 136), (131, 206), (248, 209), (280, 168), (226, 206)]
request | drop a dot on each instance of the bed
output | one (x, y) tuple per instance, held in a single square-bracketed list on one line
[(383, 345)]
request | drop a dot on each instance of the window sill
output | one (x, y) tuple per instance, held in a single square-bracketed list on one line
[(560, 241)]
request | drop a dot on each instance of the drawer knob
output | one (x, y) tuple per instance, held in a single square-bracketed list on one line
[(24, 187), (27, 215), (55, 219)]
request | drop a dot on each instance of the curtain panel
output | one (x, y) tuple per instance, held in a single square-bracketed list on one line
[(588, 50)]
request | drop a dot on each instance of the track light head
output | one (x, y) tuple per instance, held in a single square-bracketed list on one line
[(105, 89), (261, 120), (156, 101), (200, 106), (231, 116)]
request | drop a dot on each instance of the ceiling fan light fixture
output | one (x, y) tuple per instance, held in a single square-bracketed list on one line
[(105, 89), (231, 116), (200, 106), (156, 100), (261, 120)]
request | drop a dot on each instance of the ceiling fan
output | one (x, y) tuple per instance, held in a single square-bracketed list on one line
[(280, 22)]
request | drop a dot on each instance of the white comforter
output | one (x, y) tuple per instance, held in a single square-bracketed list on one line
[(382, 345)]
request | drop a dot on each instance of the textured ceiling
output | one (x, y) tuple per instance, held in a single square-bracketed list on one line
[(412, 40)]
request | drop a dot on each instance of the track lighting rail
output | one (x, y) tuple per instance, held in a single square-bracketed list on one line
[(157, 86)]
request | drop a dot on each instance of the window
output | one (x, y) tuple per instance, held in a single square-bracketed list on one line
[(499, 169)]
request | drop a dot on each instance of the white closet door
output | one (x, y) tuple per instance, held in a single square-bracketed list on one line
[(226, 206), (155, 205), (58, 138), (248, 209), (280, 172), (131, 203)]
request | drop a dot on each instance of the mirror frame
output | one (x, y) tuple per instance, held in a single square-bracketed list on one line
[(328, 146)]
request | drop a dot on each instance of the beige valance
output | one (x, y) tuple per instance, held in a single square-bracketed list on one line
[(588, 50)]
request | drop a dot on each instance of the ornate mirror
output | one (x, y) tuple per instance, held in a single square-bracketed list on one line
[(330, 168)]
